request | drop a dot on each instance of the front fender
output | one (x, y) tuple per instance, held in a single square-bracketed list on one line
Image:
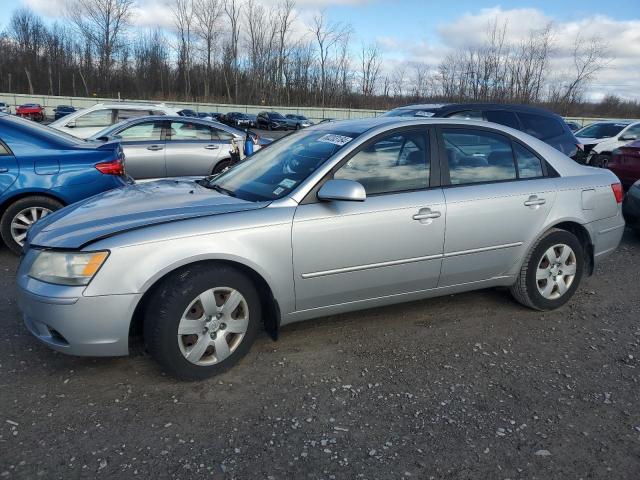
[(264, 249)]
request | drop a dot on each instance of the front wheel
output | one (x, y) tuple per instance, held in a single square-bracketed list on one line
[(221, 167), (201, 321), (551, 272), (21, 215)]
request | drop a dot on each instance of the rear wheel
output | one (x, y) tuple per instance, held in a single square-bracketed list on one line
[(21, 215), (551, 273), (201, 321)]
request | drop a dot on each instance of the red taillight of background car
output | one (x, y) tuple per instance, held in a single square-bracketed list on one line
[(617, 191), (111, 168)]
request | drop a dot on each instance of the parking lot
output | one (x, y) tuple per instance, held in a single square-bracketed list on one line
[(465, 386)]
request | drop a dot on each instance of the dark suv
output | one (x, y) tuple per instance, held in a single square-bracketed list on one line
[(271, 121), (537, 122)]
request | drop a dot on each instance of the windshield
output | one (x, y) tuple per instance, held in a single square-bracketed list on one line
[(274, 172), (109, 131), (601, 130), (45, 131), (275, 115)]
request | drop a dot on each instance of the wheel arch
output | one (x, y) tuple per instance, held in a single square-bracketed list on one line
[(30, 193), (270, 306), (583, 235)]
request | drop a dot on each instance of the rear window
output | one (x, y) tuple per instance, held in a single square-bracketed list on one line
[(503, 117), (540, 126), (46, 133)]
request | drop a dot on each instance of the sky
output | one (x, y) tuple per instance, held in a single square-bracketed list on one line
[(426, 30)]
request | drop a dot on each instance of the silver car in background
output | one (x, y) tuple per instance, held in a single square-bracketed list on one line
[(338, 217), (174, 146)]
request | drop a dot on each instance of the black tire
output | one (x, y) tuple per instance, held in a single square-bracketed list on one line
[(221, 166), (14, 209), (600, 160), (169, 301), (297, 126), (525, 290)]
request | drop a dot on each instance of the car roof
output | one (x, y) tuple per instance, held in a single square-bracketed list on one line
[(447, 107)]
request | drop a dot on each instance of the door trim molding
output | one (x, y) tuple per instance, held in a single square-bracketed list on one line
[(403, 261)]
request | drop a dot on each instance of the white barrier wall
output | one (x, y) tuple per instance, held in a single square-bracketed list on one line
[(316, 114), (50, 102)]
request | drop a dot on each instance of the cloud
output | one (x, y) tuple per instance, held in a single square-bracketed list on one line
[(47, 8)]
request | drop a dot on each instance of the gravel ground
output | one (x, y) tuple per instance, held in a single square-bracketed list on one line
[(464, 386)]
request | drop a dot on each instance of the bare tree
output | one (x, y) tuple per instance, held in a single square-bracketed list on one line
[(184, 19), (326, 34), (589, 57), (101, 23), (232, 11), (370, 62), (207, 15)]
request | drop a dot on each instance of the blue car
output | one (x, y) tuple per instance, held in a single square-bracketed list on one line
[(42, 170)]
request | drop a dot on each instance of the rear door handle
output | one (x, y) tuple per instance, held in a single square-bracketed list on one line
[(425, 215), (212, 147), (534, 201), (155, 148)]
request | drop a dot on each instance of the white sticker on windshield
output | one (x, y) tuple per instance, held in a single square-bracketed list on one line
[(287, 183), (278, 190), (335, 139), (422, 113)]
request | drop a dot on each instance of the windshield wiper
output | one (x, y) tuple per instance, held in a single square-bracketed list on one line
[(220, 189)]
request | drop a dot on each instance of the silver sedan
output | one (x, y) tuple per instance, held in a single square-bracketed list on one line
[(338, 217), (175, 146)]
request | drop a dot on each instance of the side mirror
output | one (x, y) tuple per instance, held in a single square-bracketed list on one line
[(628, 137), (71, 124), (342, 190)]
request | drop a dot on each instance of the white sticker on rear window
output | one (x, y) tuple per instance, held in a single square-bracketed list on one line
[(335, 139), (421, 113)]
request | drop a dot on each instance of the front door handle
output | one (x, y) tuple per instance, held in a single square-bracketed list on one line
[(534, 201), (3, 170), (212, 147), (155, 148), (426, 215)]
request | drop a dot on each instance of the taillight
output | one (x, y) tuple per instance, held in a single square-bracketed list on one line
[(115, 167), (617, 192)]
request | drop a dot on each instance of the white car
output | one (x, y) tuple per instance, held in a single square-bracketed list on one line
[(602, 138), (5, 108), (84, 123)]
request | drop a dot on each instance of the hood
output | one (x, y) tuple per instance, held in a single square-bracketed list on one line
[(129, 208), (591, 140)]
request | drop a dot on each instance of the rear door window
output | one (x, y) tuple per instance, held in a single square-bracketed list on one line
[(540, 126), (97, 118), (182, 131), (503, 117), (476, 156), (529, 165), (124, 114)]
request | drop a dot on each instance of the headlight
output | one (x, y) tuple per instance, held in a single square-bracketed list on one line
[(67, 268)]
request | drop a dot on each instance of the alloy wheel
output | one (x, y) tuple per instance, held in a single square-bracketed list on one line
[(556, 271), (213, 326), (23, 221)]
